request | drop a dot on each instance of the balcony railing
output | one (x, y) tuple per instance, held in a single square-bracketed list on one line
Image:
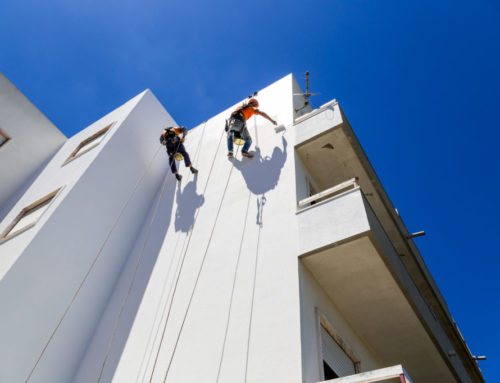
[(383, 374), (333, 191), (330, 216)]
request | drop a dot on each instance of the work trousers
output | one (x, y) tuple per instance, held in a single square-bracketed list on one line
[(177, 147), (238, 127)]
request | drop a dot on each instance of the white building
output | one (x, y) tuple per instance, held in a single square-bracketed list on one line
[(290, 267), (27, 141)]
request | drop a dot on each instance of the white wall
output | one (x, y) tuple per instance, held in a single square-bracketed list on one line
[(244, 316), (34, 139), (196, 281), (58, 275), (313, 298)]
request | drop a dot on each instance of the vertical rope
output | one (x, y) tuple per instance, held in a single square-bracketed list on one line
[(196, 157), (139, 260), (253, 295), (92, 265), (232, 290), (182, 261), (256, 132), (199, 272), (124, 302)]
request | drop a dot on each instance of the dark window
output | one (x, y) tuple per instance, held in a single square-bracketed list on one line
[(88, 144), (328, 372), (28, 216)]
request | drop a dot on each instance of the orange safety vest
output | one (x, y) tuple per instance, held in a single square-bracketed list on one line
[(246, 111)]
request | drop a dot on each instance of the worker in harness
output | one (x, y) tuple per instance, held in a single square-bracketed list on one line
[(236, 127), (170, 137)]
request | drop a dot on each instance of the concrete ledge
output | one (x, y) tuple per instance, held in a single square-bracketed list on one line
[(375, 376), (317, 122)]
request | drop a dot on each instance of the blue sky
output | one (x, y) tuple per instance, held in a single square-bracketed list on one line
[(419, 82)]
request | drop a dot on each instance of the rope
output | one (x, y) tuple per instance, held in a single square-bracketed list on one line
[(232, 290), (182, 261), (139, 260), (160, 309), (199, 272), (253, 292), (117, 321), (256, 133), (92, 265), (196, 157)]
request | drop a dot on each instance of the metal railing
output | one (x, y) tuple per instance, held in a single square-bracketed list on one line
[(335, 190), (314, 112), (375, 376)]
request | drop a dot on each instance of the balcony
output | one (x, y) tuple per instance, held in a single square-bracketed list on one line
[(318, 121), (389, 374), (331, 216), (358, 248), (345, 247)]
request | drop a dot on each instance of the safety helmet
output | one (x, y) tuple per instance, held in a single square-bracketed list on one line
[(253, 102)]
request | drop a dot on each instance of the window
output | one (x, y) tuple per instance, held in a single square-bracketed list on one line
[(89, 143), (28, 216), (312, 191), (335, 361), (328, 372), (3, 138), (337, 358)]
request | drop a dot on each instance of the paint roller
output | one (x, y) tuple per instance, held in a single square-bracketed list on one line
[(279, 128)]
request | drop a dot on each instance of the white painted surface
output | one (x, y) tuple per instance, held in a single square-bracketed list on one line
[(382, 374), (74, 254), (317, 122), (313, 298), (134, 277), (332, 220), (334, 356), (243, 319), (33, 140)]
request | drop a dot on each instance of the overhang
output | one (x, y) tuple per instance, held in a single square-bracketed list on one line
[(331, 154)]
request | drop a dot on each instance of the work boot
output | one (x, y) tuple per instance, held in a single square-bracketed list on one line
[(230, 155), (244, 153), (178, 176), (193, 170)]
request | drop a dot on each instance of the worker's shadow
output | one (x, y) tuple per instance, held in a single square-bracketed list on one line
[(188, 201), (262, 174)]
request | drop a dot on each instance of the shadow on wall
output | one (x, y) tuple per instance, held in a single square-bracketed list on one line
[(261, 174), (143, 260), (188, 201)]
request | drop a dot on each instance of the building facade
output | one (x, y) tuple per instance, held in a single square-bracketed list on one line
[(292, 266), (27, 141)]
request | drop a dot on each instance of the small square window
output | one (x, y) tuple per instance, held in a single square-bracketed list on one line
[(89, 143), (28, 216), (3, 138)]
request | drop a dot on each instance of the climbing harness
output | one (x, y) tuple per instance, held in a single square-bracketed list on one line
[(178, 157)]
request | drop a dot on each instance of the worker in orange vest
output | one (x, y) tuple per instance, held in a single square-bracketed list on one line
[(237, 126)]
